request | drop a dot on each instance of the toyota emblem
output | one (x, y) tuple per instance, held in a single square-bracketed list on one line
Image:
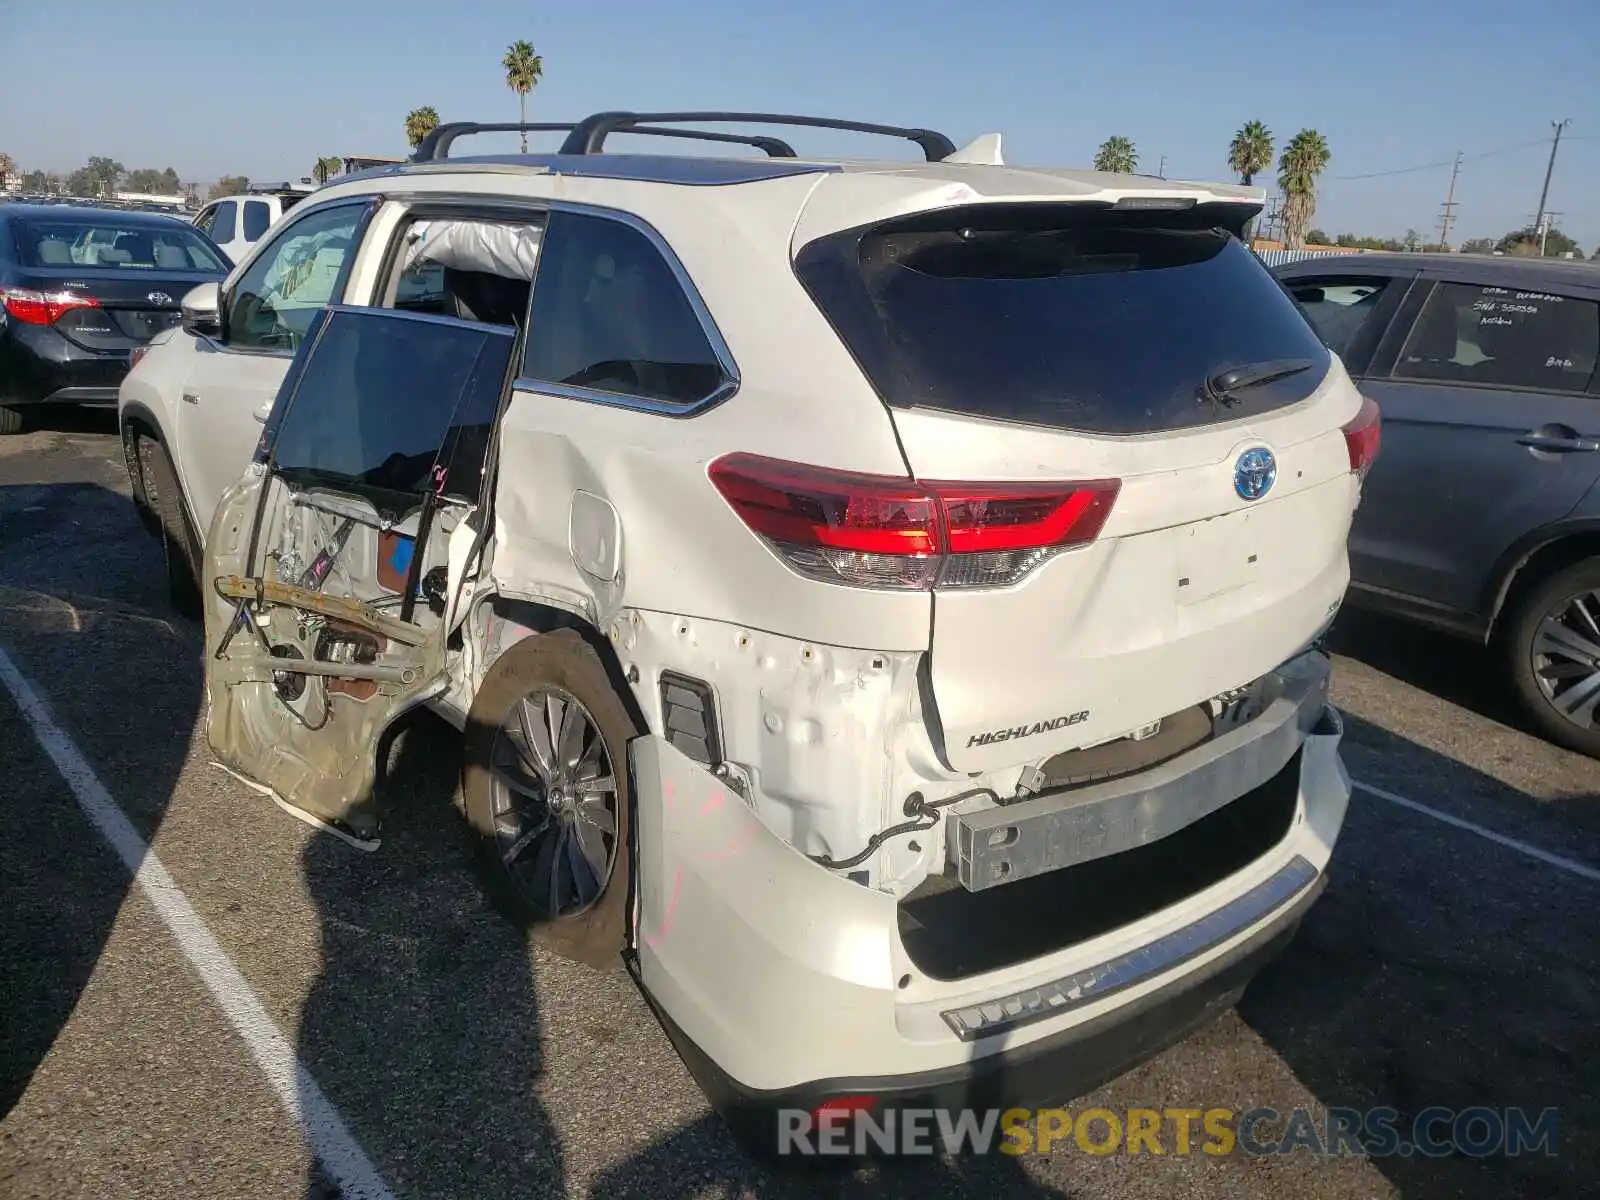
[(159, 298)]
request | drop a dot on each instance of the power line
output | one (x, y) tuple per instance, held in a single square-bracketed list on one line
[(1441, 164)]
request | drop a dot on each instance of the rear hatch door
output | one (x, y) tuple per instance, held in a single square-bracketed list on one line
[(1148, 486)]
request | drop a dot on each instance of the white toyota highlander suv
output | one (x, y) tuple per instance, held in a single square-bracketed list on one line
[(881, 599)]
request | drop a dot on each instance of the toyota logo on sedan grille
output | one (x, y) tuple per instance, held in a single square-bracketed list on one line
[(159, 298), (1254, 473)]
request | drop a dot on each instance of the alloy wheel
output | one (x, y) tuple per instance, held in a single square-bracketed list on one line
[(1566, 659), (555, 802)]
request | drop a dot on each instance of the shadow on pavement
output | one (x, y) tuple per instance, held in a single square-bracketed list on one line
[(422, 1028), (1440, 969), (703, 1157), (88, 644), (69, 418), (1463, 672)]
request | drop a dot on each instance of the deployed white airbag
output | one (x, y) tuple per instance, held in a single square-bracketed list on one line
[(510, 251)]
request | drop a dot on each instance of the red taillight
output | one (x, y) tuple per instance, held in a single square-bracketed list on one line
[(42, 308), (884, 531), (1363, 435)]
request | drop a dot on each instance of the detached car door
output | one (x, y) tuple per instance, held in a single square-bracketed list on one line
[(327, 573), (1490, 429), (265, 314)]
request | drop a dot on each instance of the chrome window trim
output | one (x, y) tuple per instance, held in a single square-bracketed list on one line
[(708, 326)]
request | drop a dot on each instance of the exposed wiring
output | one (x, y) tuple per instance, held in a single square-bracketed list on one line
[(923, 814)]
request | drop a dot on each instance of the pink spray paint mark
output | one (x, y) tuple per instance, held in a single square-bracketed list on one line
[(735, 844), (714, 803), (668, 917)]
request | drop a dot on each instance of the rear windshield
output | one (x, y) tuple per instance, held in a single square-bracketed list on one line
[(135, 246), (1063, 316)]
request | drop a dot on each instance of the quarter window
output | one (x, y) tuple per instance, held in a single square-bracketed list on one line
[(1338, 309), (1503, 337), (609, 315), (223, 223), (292, 279)]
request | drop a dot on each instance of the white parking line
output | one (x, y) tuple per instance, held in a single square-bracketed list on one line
[(324, 1129), (1570, 865)]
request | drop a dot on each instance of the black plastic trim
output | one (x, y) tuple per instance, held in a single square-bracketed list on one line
[(589, 135)]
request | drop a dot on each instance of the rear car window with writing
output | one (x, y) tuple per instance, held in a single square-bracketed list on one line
[(1503, 337)]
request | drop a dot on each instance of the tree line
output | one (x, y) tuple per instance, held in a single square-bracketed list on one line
[(1250, 153)]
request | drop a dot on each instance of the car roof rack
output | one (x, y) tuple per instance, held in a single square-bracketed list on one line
[(437, 144), (588, 136)]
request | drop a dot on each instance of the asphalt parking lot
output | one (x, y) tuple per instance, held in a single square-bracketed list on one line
[(260, 988)]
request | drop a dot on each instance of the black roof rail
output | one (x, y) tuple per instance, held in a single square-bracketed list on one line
[(437, 144), (589, 136)]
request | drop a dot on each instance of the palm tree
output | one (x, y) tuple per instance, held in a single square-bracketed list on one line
[(420, 122), (1250, 151), (328, 167), (1117, 155), (524, 69), (1298, 167)]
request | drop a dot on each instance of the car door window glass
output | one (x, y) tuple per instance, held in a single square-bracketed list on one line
[(468, 269), (205, 221), (291, 280), (1338, 308), (609, 314), (1503, 337), (257, 216), (222, 222), (390, 408)]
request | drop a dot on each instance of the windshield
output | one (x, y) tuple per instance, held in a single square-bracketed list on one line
[(135, 246), (1065, 316)]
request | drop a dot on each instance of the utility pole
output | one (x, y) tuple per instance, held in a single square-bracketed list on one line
[(1544, 193), (1544, 230), (1161, 171), (1448, 210)]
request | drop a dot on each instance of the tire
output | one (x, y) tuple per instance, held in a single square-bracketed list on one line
[(559, 662), (1552, 598), (10, 420), (180, 547), (139, 449)]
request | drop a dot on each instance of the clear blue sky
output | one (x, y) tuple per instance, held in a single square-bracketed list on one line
[(262, 89)]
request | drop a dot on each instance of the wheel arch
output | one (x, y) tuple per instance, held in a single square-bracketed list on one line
[(505, 619), (1534, 559)]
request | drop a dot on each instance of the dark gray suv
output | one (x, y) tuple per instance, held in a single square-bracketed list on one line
[(1481, 516)]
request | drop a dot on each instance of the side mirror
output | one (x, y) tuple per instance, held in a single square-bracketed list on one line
[(201, 311)]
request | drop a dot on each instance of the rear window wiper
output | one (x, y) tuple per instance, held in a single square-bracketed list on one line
[(1220, 388)]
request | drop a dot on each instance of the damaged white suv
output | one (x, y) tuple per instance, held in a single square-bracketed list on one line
[(881, 600)]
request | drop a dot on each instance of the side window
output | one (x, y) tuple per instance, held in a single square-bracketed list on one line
[(609, 314), (294, 277), (222, 227), (205, 221), (257, 216), (468, 269), (1503, 337), (1338, 308), (392, 408)]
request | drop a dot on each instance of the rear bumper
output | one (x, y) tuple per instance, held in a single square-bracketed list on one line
[(1047, 1072), (39, 366), (786, 985)]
